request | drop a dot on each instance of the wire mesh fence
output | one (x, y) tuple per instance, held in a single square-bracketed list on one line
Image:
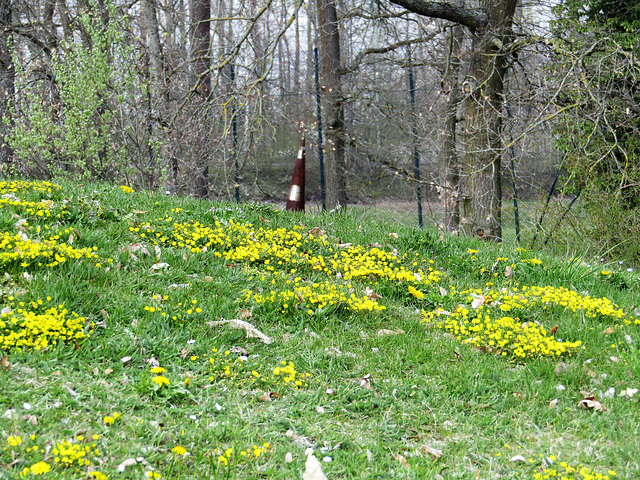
[(381, 161)]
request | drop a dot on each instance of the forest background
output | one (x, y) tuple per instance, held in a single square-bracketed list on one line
[(450, 106)]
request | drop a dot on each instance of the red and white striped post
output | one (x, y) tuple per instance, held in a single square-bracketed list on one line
[(296, 192)]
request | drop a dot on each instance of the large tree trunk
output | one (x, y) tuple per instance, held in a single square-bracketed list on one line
[(448, 155), (334, 108), (200, 45), (482, 201), (7, 81), (491, 28)]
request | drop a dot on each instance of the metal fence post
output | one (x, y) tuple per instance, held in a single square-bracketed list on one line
[(323, 191), (414, 133)]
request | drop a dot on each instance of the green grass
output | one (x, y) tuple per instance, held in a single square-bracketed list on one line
[(386, 393)]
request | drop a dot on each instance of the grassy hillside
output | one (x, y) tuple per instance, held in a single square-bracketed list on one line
[(147, 336)]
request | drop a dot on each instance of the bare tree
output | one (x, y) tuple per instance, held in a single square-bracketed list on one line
[(491, 31), (448, 155), (334, 108), (7, 78), (200, 47)]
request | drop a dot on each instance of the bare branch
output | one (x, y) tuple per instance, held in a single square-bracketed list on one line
[(472, 19), (369, 51)]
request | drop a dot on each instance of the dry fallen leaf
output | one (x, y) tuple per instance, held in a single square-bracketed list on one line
[(384, 331), (136, 247), (508, 272), (313, 469), (4, 363), (207, 279), (590, 403), (244, 313), (297, 439), (369, 293), (288, 458), (443, 292), (629, 392), (518, 458), (401, 459), (127, 463), (553, 403), (434, 452), (609, 331), (560, 368), (159, 266), (108, 371), (478, 300), (316, 232), (251, 331)]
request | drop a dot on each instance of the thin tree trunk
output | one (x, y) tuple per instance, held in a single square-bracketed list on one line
[(7, 82), (157, 92), (200, 46), (448, 156), (334, 107)]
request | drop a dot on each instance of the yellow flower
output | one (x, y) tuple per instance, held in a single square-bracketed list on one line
[(160, 380), (14, 440), (158, 370), (127, 189), (416, 293), (179, 450), (97, 475), (40, 468), (108, 420)]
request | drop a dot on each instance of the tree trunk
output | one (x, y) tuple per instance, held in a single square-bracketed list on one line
[(448, 156), (200, 45), (491, 28), (334, 108), (156, 92), (7, 81), (482, 191)]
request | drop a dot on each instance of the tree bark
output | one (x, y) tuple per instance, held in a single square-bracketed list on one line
[(491, 28), (156, 92), (7, 80), (448, 156), (200, 46), (334, 107), (482, 203)]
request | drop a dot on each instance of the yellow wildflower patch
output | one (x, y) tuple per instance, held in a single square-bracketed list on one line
[(34, 329), (18, 248)]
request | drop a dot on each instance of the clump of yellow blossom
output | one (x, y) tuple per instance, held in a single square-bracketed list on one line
[(17, 186), (48, 252), (484, 325), (126, 189), (72, 455), (225, 366), (110, 419), (226, 457), (564, 471), (33, 328), (415, 292)]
